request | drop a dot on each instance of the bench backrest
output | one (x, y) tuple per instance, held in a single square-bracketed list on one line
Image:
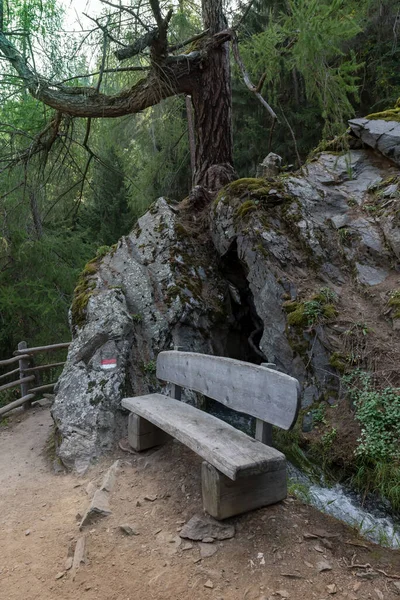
[(263, 393)]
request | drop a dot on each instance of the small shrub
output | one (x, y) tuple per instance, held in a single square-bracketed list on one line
[(319, 414), (150, 367), (378, 452), (318, 309), (378, 412)]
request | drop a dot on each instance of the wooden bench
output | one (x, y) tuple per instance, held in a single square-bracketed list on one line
[(239, 473)]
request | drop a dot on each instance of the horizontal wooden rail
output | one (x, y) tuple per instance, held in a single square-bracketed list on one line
[(43, 367), (42, 388), (5, 375), (37, 349), (28, 373), (10, 361), (16, 403), (12, 384)]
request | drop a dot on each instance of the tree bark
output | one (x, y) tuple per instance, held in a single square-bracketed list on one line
[(212, 102)]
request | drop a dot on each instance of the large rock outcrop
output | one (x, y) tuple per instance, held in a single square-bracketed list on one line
[(299, 268), (155, 290)]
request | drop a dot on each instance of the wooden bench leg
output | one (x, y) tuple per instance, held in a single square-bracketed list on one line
[(143, 435), (223, 498)]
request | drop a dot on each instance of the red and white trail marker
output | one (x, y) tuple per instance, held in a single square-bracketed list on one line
[(108, 363)]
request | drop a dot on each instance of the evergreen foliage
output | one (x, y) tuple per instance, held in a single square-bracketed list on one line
[(105, 216)]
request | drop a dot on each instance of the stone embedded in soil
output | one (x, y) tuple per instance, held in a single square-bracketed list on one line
[(187, 546), (90, 489), (60, 575), (332, 588), (323, 565), (371, 275), (204, 526), (207, 550), (209, 584), (307, 423), (68, 563), (151, 497), (99, 507), (110, 477), (128, 530)]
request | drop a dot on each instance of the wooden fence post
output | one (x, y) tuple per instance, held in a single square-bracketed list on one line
[(24, 364)]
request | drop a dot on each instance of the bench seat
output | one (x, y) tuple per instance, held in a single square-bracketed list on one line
[(229, 450)]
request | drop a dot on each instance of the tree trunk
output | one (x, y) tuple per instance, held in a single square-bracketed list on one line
[(212, 103)]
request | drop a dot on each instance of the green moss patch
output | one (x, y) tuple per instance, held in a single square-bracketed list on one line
[(394, 303), (256, 191), (393, 114), (320, 308), (244, 209), (84, 289)]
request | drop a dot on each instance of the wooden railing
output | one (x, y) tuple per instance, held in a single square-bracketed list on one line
[(28, 374)]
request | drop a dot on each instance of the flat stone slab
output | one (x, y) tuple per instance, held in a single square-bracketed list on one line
[(203, 526), (99, 507), (110, 477), (371, 275)]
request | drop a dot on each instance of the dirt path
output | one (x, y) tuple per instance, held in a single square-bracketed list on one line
[(269, 557)]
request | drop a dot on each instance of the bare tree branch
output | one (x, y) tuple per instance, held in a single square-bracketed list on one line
[(244, 15), (128, 10), (174, 75), (194, 38), (138, 45), (105, 30), (246, 78)]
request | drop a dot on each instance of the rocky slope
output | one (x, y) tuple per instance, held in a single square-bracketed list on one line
[(301, 271)]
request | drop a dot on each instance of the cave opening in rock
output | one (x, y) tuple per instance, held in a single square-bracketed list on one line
[(243, 334), (246, 326)]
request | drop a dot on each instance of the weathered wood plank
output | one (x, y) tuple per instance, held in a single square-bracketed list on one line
[(42, 388), (23, 363), (15, 359), (44, 367), (37, 349), (223, 498), (263, 432), (263, 393), (143, 435), (16, 383), (5, 409), (5, 375), (231, 451)]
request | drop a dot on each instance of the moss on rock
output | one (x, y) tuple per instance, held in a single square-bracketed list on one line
[(83, 291), (394, 303), (318, 309), (244, 209), (393, 114)]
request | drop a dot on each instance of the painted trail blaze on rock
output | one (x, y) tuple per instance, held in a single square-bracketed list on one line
[(108, 363)]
